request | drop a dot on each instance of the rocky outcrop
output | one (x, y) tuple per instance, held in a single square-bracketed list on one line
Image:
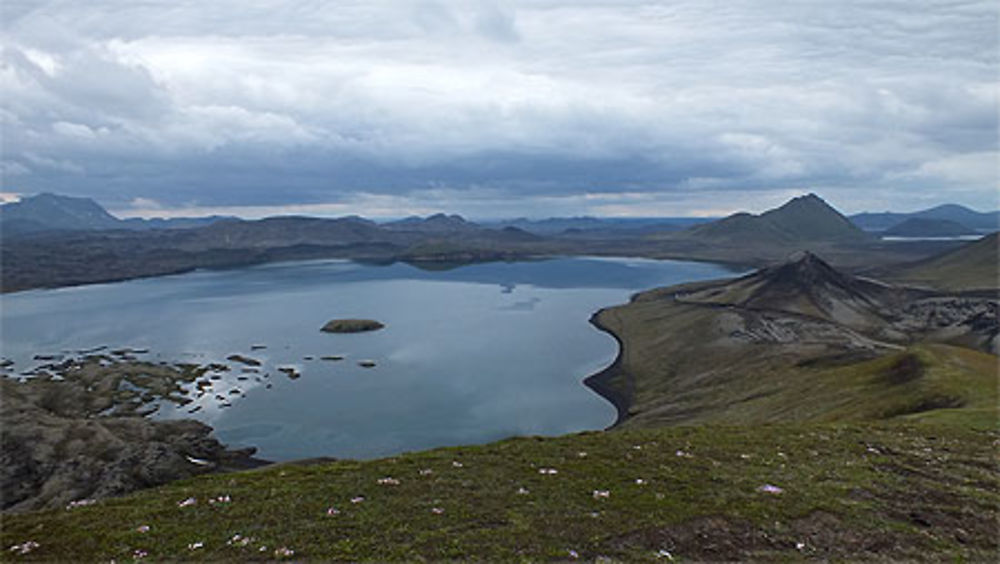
[(60, 440)]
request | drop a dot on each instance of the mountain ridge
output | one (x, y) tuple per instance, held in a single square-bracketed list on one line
[(880, 221)]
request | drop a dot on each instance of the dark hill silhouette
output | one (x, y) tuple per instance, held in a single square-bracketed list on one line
[(806, 218), (54, 212), (436, 224), (928, 227), (806, 285)]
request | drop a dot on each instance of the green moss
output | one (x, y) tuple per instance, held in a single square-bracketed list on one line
[(848, 491)]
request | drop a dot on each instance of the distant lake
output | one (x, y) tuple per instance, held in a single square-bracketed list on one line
[(468, 355)]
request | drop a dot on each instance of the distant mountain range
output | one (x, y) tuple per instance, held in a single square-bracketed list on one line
[(981, 221), (585, 226), (804, 218), (437, 223), (51, 240)]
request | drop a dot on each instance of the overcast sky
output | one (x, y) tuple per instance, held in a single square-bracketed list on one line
[(547, 107)]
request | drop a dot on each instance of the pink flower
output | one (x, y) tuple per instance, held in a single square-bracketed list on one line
[(768, 488), (332, 511), (142, 528), (437, 510)]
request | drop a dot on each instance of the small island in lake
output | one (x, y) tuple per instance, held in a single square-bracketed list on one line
[(351, 326)]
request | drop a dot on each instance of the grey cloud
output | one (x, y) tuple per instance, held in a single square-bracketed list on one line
[(228, 102)]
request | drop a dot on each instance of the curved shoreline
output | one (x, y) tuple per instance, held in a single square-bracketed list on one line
[(600, 383)]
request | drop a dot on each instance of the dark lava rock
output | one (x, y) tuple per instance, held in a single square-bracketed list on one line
[(351, 326)]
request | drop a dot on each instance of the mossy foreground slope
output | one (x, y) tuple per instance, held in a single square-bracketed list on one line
[(712, 492)]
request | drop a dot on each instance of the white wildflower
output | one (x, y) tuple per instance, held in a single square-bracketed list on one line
[(25, 547), (187, 502), (602, 494), (768, 488), (239, 540), (195, 545)]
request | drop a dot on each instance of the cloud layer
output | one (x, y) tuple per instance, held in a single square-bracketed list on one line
[(574, 107)]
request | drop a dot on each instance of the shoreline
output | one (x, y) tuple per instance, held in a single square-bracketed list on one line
[(600, 382)]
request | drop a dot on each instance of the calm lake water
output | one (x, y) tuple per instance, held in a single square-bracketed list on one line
[(468, 355)]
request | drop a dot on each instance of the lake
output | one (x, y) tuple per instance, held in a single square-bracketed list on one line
[(468, 355)]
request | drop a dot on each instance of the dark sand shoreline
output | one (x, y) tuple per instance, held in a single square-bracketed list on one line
[(600, 383)]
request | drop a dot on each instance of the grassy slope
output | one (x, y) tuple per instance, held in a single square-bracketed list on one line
[(890, 491), (686, 370), (972, 266)]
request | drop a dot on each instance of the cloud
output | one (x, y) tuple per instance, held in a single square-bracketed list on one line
[(303, 103)]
